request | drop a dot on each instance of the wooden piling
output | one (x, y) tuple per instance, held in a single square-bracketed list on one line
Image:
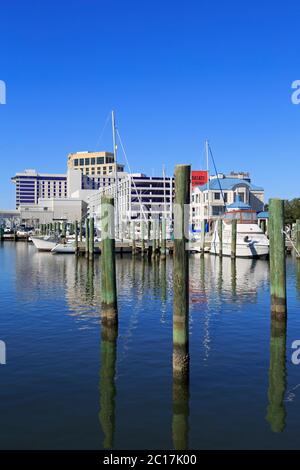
[(76, 239), (92, 239), (153, 238), (133, 246), (158, 232), (149, 238), (202, 237), (233, 237), (80, 230), (220, 235), (163, 250), (87, 237), (143, 237), (181, 276), (108, 262), (277, 259)]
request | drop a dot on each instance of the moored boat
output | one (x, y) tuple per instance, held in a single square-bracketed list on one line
[(46, 243), (251, 241)]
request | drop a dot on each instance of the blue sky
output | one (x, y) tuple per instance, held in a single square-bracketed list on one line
[(175, 73)]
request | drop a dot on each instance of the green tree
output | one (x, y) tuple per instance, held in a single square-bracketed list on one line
[(292, 210)]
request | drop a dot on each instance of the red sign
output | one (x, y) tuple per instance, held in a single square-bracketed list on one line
[(199, 178)]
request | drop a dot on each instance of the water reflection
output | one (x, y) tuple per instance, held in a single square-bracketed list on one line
[(180, 422), (276, 412), (109, 335)]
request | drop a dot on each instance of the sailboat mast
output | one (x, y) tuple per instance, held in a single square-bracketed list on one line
[(207, 169), (113, 122)]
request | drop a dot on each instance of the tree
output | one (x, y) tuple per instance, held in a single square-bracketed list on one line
[(292, 210)]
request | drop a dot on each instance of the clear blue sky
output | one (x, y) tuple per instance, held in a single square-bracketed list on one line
[(175, 73)]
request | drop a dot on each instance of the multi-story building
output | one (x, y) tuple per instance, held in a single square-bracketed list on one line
[(139, 197), (31, 186), (94, 164), (210, 200)]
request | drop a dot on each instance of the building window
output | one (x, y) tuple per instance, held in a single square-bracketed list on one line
[(217, 196), (100, 160), (76, 162), (87, 161), (242, 196), (81, 161), (217, 210), (93, 161)]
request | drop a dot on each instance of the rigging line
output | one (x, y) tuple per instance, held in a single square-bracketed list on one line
[(103, 129), (213, 160), (127, 162)]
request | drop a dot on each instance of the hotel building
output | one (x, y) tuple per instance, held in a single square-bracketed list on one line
[(31, 186), (94, 164)]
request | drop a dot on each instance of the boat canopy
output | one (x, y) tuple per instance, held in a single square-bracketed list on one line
[(242, 216)]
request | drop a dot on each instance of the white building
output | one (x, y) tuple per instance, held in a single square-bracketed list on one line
[(139, 198), (209, 201), (31, 186)]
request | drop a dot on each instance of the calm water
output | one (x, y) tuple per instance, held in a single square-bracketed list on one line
[(57, 389)]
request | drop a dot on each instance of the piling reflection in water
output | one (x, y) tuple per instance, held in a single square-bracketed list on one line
[(109, 337), (233, 278), (180, 423), (276, 412)]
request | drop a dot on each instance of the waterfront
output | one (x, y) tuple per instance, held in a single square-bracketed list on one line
[(52, 385)]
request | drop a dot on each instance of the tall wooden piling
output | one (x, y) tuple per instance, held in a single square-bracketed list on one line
[(181, 275), (92, 238), (220, 235), (277, 259), (163, 239), (233, 238), (108, 262)]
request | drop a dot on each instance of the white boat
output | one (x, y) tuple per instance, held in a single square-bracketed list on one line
[(64, 248), (251, 242), (44, 243)]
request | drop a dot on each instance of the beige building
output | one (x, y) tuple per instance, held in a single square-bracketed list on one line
[(93, 164)]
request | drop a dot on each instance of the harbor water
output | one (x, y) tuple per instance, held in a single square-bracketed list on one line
[(61, 388)]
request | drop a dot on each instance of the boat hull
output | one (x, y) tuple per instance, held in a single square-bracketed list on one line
[(251, 241), (67, 248), (42, 244)]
